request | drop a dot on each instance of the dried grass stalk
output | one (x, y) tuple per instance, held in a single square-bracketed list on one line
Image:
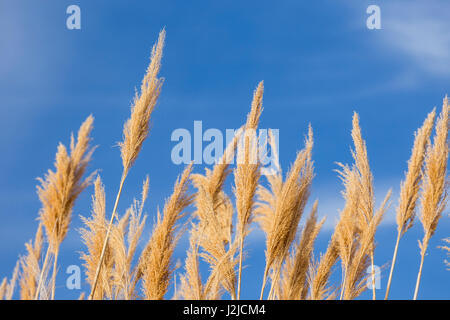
[(355, 280), (409, 188), (59, 190), (30, 271), (3, 287), (435, 185), (294, 283), (246, 175), (7, 288), (348, 230), (320, 272), (279, 210), (367, 200), (136, 130), (214, 231), (192, 287), (355, 232), (93, 236), (156, 259), (191, 281), (124, 239), (214, 214)]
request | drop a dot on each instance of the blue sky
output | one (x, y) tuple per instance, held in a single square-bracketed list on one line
[(319, 63)]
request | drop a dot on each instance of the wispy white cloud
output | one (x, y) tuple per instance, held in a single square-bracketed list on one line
[(418, 31)]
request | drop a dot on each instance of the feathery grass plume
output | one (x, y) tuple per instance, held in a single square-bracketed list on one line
[(220, 270), (3, 287), (246, 174), (157, 256), (343, 242), (366, 211), (93, 236), (191, 282), (29, 275), (213, 180), (136, 130), (12, 282), (59, 190), (214, 212), (135, 230), (409, 188), (294, 283), (320, 272), (124, 239), (117, 241), (279, 210), (267, 198), (192, 287), (7, 288), (221, 256), (355, 274), (435, 184), (210, 196), (355, 234), (215, 230), (348, 230), (265, 211)]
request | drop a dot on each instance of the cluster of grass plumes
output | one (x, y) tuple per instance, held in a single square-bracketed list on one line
[(199, 205), (58, 192)]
